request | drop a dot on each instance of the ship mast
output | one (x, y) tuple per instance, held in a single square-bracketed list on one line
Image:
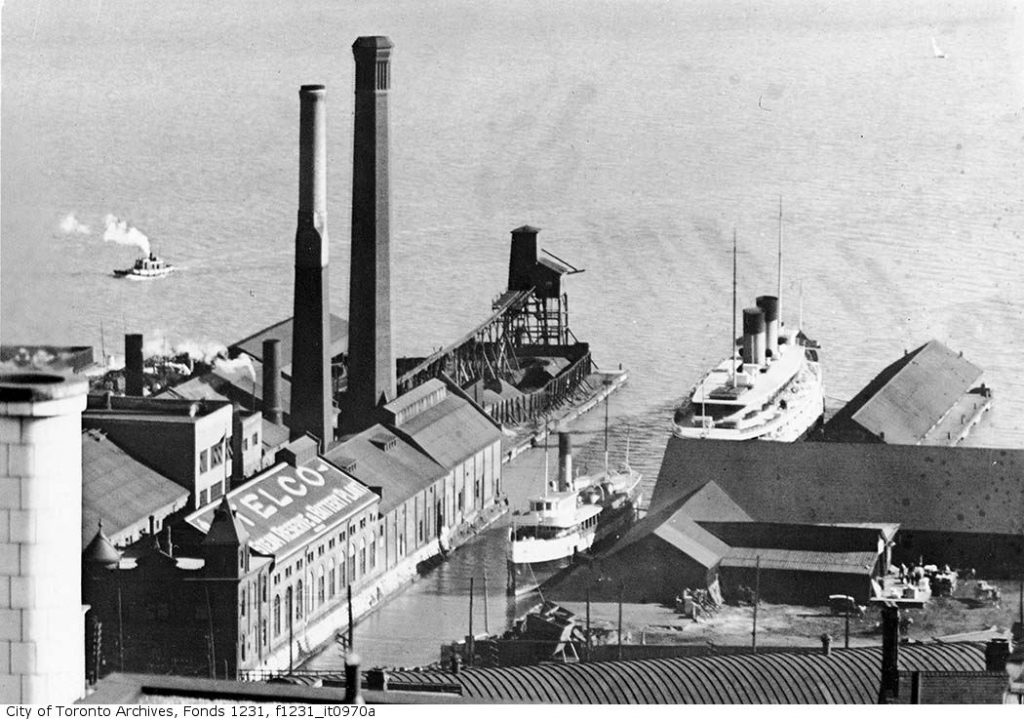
[(732, 340), (780, 267), (607, 402)]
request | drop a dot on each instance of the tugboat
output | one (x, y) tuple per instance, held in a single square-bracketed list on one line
[(146, 268)]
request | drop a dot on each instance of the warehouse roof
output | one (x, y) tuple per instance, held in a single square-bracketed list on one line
[(862, 562), (120, 490), (253, 345), (845, 676), (908, 398), (949, 489), (379, 459), (450, 431)]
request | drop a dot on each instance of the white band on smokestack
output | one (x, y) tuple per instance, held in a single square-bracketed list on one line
[(313, 166), (769, 304), (753, 336)]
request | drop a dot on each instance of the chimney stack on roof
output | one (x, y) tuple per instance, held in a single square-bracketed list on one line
[(564, 461), (272, 381), (311, 322), (371, 365), (133, 365)]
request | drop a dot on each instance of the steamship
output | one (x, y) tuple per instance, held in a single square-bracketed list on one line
[(146, 268), (774, 392)]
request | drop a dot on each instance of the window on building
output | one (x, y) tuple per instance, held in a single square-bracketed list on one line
[(330, 544), (245, 443), (203, 461), (352, 566), (321, 590), (341, 571), (462, 501), (243, 647), (255, 439), (217, 455), (362, 523), (332, 578), (203, 497), (419, 532), (216, 490), (277, 615), (263, 632), (373, 552), (242, 605), (298, 600), (263, 588), (362, 561), (298, 564), (287, 572), (229, 449)]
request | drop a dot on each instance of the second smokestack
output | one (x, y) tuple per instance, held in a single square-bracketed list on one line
[(272, 380), (311, 322), (133, 373)]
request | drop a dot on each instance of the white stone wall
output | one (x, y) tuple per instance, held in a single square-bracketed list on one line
[(42, 621)]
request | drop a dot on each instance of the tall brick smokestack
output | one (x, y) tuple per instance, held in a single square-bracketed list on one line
[(311, 323), (371, 368)]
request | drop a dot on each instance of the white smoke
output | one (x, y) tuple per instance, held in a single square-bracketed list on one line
[(71, 226), (242, 362), (120, 231), (159, 344)]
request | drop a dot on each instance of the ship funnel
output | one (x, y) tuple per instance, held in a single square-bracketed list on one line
[(133, 372), (753, 337), (769, 304), (564, 461)]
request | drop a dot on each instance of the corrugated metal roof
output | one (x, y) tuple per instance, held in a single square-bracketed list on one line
[(806, 677), (450, 431), (400, 472), (925, 385), (118, 489), (253, 345), (809, 560)]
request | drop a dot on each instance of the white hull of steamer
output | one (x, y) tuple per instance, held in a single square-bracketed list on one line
[(781, 404)]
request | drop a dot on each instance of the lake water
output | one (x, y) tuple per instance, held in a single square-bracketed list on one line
[(637, 134)]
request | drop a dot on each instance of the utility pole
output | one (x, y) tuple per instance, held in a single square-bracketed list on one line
[(469, 644), (486, 628), (588, 622), (621, 586), (757, 597), (351, 624)]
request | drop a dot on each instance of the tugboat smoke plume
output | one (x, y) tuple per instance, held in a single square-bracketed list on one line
[(243, 362), (120, 231), (71, 226), (157, 344)]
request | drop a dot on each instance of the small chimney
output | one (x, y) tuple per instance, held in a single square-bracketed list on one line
[(272, 381), (997, 651), (826, 644), (753, 337), (769, 304), (133, 365), (564, 461), (890, 685), (522, 258), (353, 694)]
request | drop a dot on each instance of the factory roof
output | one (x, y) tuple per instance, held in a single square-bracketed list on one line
[(808, 677), (909, 397), (152, 409), (948, 489), (379, 459), (253, 345), (450, 431), (285, 507), (119, 490), (862, 562)]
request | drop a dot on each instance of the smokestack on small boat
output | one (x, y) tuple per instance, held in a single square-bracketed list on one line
[(272, 381), (769, 304), (564, 461), (133, 365), (753, 337)]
